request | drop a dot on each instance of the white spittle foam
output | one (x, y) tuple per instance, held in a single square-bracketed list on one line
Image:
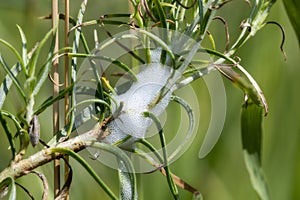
[(136, 100)]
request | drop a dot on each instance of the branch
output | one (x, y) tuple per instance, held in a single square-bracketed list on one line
[(76, 144)]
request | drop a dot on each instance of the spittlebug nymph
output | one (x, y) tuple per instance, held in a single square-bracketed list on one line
[(34, 131)]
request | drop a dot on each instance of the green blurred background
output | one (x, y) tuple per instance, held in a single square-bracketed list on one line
[(222, 174)]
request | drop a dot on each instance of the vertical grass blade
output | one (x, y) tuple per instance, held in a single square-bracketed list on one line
[(251, 122)]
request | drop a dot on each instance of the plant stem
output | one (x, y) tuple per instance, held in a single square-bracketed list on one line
[(66, 79), (76, 144), (55, 93)]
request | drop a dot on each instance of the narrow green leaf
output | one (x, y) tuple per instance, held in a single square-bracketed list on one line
[(99, 88), (161, 13), (170, 180), (12, 117), (101, 21), (162, 42), (201, 12), (251, 124), (84, 116), (16, 54), (48, 102), (78, 90), (7, 82), (20, 132), (105, 58), (89, 101), (33, 60), (43, 73), (126, 164), (24, 45), (163, 21), (115, 40), (135, 14), (73, 72), (152, 149), (9, 135), (13, 78), (189, 133)]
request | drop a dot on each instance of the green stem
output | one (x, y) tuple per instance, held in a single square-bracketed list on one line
[(170, 180)]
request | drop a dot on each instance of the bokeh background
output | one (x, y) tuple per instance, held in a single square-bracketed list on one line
[(221, 174)]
